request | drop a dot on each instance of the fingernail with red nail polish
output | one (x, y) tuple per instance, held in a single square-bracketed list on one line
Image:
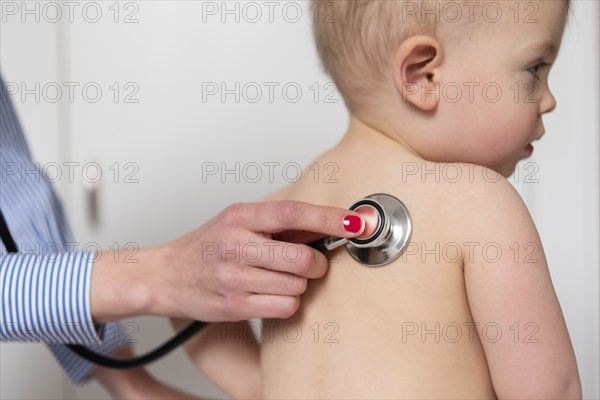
[(352, 223)]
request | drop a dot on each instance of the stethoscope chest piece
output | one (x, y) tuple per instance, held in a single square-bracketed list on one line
[(391, 236)]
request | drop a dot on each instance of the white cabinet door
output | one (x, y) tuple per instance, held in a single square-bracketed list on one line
[(182, 92)]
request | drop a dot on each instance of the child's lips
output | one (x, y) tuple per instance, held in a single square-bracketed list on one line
[(529, 148)]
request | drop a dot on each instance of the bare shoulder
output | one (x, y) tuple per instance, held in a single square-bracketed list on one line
[(481, 193), (485, 210), (457, 202)]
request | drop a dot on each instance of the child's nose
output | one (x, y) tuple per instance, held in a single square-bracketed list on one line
[(548, 103)]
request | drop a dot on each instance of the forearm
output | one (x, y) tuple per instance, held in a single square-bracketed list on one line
[(135, 383), (228, 354), (120, 384)]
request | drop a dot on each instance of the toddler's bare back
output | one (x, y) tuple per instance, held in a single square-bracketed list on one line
[(404, 330)]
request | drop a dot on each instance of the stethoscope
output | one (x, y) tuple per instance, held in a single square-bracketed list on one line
[(387, 242)]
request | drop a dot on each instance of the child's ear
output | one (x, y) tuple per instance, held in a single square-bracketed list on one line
[(416, 71)]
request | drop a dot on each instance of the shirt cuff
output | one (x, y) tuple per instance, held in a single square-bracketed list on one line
[(47, 298)]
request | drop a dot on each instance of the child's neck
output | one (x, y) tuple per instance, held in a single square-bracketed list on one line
[(360, 133)]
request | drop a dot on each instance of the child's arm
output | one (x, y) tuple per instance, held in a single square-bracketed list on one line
[(508, 285), (228, 354), (135, 383)]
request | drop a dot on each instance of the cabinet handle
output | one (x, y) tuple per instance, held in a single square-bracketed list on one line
[(92, 190)]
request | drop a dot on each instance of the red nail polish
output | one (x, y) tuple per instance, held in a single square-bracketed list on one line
[(352, 223)]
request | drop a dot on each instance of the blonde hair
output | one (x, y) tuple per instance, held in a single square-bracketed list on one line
[(356, 39)]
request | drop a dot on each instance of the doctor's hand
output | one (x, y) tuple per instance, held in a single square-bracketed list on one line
[(250, 261)]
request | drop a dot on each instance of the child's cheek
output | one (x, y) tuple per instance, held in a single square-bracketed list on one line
[(491, 130), (523, 116)]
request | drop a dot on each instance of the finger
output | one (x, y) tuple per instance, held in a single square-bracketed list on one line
[(293, 258), (270, 306), (251, 249), (278, 216), (266, 281), (369, 214)]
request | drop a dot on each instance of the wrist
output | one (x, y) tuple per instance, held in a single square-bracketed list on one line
[(156, 282), (123, 284)]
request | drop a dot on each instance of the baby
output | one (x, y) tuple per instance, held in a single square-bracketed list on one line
[(445, 98)]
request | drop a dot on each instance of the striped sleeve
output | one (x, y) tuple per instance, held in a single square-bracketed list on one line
[(46, 298)]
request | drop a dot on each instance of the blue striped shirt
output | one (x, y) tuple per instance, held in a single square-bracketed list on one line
[(45, 288)]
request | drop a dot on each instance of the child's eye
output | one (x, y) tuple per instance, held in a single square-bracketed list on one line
[(534, 69)]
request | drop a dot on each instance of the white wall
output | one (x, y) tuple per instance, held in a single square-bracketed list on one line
[(564, 203), (167, 56)]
